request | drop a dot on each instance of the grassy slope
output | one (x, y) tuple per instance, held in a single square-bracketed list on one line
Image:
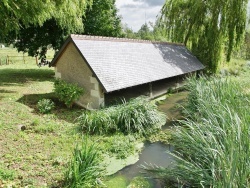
[(38, 154)]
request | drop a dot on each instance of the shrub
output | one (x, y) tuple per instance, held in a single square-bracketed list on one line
[(136, 116), (212, 149), (120, 145), (98, 121), (83, 169), (67, 92), (45, 106)]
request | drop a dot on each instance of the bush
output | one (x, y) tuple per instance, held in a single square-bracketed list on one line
[(83, 170), (136, 116), (45, 106), (67, 92)]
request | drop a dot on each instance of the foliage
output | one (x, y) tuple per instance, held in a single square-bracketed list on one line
[(219, 23), (139, 182), (136, 116), (67, 92), (83, 170), (99, 18), (45, 106), (145, 33), (6, 174), (22, 14), (247, 44), (120, 145), (212, 149)]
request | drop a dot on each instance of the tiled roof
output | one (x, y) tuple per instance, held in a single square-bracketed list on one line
[(120, 63)]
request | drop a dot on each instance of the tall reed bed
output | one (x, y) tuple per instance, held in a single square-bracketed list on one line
[(213, 146), (139, 115), (83, 169)]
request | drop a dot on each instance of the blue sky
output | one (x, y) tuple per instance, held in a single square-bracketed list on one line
[(135, 12)]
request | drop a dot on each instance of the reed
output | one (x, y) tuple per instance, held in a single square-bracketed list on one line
[(212, 148), (83, 170), (139, 115)]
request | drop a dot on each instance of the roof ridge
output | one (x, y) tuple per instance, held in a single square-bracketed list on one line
[(104, 38)]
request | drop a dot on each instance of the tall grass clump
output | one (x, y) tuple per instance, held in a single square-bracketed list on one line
[(212, 148), (83, 170), (139, 115)]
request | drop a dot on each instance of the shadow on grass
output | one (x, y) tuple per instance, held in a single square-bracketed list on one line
[(61, 111), (21, 76), (6, 91)]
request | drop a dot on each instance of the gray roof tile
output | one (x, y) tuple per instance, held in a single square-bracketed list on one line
[(122, 63)]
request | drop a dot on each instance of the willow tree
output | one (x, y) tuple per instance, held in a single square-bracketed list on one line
[(207, 27), (23, 13)]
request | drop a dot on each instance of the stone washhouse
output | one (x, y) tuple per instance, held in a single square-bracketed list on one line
[(110, 69)]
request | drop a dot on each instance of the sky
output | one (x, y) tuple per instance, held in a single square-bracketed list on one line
[(136, 12)]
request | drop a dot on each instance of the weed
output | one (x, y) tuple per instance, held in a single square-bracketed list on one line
[(67, 92), (83, 170), (120, 145), (6, 174), (136, 116), (45, 106)]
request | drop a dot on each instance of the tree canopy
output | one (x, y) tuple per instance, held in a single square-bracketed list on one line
[(100, 18), (206, 27), (22, 13)]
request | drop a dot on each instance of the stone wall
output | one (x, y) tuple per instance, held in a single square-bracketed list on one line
[(72, 68)]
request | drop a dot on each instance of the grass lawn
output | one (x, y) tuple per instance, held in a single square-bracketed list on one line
[(38, 155)]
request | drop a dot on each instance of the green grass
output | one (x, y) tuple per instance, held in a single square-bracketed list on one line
[(39, 155), (32, 153), (16, 57)]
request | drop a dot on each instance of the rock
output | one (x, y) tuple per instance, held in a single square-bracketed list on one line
[(21, 127)]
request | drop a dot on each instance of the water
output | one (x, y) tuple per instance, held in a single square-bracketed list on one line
[(153, 153), (156, 153)]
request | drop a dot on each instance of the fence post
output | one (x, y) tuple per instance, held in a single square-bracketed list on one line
[(7, 60), (23, 58)]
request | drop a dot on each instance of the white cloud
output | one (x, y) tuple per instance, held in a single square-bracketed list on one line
[(137, 12)]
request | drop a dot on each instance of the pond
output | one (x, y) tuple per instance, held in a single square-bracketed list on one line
[(153, 153)]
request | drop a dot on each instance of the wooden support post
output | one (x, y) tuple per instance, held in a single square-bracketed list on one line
[(150, 90), (36, 61)]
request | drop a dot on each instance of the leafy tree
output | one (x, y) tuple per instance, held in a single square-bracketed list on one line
[(102, 19), (99, 19), (36, 40), (128, 32), (247, 44), (205, 26), (16, 15), (145, 33)]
